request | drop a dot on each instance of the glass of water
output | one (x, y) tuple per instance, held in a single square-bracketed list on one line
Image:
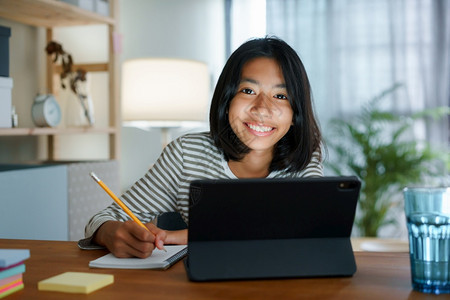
[(428, 219)]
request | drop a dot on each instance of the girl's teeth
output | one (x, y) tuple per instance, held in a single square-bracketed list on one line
[(260, 128)]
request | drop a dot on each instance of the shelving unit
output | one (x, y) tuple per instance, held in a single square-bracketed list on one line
[(50, 14)]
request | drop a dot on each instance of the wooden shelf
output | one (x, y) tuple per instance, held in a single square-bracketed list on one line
[(103, 67), (53, 131), (49, 13)]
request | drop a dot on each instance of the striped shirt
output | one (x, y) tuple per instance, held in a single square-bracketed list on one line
[(165, 187)]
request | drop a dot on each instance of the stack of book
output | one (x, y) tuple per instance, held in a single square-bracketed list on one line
[(12, 267)]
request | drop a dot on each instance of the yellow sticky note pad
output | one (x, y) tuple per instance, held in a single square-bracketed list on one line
[(76, 282)]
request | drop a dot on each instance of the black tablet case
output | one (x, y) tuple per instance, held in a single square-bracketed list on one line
[(271, 228)]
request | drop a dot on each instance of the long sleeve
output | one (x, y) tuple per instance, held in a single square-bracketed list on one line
[(151, 195), (165, 187)]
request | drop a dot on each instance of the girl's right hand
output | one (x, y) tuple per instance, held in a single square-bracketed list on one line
[(128, 239)]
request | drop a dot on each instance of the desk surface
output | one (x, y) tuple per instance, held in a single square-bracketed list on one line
[(379, 276)]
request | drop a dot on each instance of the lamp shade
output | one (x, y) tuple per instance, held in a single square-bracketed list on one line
[(162, 89)]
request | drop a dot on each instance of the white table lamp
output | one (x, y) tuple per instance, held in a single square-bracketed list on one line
[(164, 92)]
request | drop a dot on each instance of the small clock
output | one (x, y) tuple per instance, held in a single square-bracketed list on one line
[(46, 111)]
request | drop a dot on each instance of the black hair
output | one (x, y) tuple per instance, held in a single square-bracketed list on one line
[(294, 151)]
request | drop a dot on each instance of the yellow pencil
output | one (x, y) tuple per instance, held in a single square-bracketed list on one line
[(117, 200)]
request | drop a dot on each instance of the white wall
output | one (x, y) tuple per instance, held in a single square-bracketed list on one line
[(189, 29)]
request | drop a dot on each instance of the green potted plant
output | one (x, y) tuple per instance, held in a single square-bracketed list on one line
[(374, 146)]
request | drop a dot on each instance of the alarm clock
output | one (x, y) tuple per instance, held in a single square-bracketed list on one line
[(46, 111)]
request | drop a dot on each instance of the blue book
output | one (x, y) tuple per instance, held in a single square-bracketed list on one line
[(12, 271), (9, 257)]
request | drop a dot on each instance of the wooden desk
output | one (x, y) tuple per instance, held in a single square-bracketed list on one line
[(379, 276)]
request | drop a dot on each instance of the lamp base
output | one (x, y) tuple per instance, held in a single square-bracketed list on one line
[(165, 127)]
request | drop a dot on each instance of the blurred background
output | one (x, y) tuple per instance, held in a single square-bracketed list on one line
[(391, 54)]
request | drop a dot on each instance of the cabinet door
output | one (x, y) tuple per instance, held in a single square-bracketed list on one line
[(34, 203)]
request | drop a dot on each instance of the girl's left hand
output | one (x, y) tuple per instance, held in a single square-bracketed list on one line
[(177, 237)]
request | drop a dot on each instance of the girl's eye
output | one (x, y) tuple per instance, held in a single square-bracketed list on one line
[(248, 91), (281, 97)]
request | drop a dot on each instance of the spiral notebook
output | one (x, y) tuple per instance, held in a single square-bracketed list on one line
[(158, 260), (271, 228)]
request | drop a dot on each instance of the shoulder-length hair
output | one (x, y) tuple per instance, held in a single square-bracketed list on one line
[(295, 150)]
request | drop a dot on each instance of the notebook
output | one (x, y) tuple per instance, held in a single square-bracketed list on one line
[(158, 260), (271, 228)]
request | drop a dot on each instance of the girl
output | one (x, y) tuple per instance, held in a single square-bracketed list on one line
[(262, 125)]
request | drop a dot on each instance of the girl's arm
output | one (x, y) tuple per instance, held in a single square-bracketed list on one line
[(150, 196)]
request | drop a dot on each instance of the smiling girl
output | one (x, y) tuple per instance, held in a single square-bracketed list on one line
[(262, 125)]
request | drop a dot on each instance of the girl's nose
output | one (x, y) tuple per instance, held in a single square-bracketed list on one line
[(261, 108)]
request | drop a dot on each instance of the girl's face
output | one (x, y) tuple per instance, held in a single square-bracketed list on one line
[(260, 113)]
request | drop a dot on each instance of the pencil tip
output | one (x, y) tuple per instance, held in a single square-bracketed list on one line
[(94, 176)]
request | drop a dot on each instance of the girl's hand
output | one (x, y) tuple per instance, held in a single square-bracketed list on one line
[(128, 239), (178, 237)]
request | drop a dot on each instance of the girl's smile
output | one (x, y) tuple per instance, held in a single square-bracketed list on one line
[(260, 130)]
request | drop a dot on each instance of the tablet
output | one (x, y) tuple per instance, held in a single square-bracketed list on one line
[(271, 228)]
